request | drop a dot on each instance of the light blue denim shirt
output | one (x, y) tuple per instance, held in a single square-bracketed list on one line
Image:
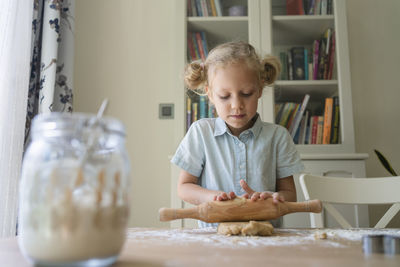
[(260, 156)]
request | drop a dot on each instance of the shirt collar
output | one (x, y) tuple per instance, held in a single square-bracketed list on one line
[(221, 128), (256, 129)]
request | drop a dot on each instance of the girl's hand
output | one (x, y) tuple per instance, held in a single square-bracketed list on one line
[(222, 196), (253, 195)]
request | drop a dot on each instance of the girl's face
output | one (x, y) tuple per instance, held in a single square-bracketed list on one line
[(234, 91)]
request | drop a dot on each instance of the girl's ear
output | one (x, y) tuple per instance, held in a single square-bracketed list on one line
[(260, 92), (209, 94)]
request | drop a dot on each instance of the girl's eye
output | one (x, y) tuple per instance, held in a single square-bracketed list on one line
[(224, 97), (247, 94)]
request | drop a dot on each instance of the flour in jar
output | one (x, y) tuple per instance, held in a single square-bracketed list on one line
[(74, 222)]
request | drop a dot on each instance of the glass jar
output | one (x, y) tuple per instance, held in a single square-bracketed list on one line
[(74, 205)]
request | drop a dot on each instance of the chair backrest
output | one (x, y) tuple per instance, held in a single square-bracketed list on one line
[(384, 190)]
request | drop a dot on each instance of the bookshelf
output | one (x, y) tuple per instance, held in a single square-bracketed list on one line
[(267, 27), (280, 32)]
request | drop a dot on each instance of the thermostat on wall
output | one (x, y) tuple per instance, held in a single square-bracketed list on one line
[(166, 111)]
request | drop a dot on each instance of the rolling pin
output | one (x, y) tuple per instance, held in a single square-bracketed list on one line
[(240, 209)]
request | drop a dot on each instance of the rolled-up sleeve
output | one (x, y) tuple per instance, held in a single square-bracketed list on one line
[(190, 153)]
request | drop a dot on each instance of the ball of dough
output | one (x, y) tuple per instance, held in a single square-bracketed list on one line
[(251, 228), (320, 235)]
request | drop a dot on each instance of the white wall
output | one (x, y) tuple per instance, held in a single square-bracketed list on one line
[(374, 41), (125, 51)]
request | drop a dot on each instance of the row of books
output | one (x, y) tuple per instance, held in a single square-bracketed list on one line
[(204, 8), (316, 63), (309, 7), (198, 109), (197, 46), (310, 129)]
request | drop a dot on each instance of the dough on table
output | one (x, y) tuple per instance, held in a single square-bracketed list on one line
[(261, 228)]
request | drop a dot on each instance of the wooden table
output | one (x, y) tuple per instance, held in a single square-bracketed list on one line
[(203, 247)]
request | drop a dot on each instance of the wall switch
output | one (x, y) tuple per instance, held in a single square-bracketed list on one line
[(166, 111)]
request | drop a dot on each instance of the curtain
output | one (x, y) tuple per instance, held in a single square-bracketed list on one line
[(15, 37), (43, 37), (51, 76)]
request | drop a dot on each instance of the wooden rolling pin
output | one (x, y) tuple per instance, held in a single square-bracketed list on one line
[(240, 209)]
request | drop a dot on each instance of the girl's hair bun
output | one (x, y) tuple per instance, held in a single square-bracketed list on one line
[(195, 75), (272, 68)]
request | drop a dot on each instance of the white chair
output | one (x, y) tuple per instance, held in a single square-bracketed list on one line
[(385, 190)]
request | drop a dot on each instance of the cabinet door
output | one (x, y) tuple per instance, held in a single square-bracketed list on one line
[(357, 215)]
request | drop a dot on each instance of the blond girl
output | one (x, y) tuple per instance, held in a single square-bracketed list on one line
[(235, 154)]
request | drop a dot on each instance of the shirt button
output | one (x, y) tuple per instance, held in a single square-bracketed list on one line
[(241, 145), (242, 166)]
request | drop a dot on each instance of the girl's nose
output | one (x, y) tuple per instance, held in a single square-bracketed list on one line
[(236, 103)]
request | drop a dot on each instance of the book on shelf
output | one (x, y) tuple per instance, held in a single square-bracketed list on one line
[(290, 66), (218, 6), (197, 5), (189, 8), (331, 60), (198, 107), (284, 73), (211, 111), (303, 129), (292, 115), (299, 115), (316, 62), (204, 8), (305, 62), (324, 7), (309, 7), (204, 42), (330, 7), (203, 107), (294, 7), (314, 129), (200, 46), (335, 121), (298, 63), (320, 129), (195, 114), (317, 7), (287, 111), (213, 8), (315, 59), (191, 48), (197, 46), (279, 107), (188, 112), (323, 54), (326, 135), (310, 125)]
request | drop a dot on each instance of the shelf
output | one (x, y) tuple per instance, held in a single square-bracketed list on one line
[(295, 90), (327, 156), (287, 28), (220, 29)]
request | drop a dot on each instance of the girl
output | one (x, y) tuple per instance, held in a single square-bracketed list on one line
[(235, 154)]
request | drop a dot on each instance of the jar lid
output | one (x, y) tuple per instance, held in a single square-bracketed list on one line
[(74, 122)]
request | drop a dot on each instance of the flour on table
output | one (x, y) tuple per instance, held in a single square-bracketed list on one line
[(280, 237), (251, 228)]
